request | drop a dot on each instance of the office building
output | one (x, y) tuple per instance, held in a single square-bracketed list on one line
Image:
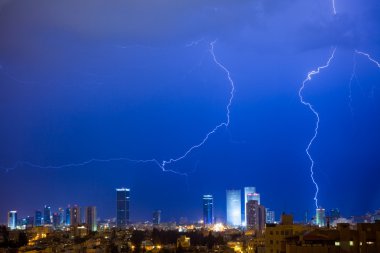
[(249, 194), (270, 216), (208, 207), (56, 220), (29, 222), (47, 215), (91, 222), (67, 216), (156, 219), (256, 216), (38, 218), (61, 214), (122, 207), (233, 207), (75, 216), (12, 219), (320, 217), (334, 214)]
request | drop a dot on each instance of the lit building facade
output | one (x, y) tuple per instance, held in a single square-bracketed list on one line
[(67, 216), (233, 198), (270, 216), (91, 222), (249, 194), (12, 219), (47, 215), (334, 214), (320, 217), (256, 216), (38, 218), (75, 216), (208, 207), (122, 207), (156, 217), (56, 220)]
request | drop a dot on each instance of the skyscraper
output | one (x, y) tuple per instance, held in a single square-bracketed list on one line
[(67, 216), (122, 207), (233, 207), (334, 214), (255, 215), (270, 216), (47, 214), (56, 220), (38, 218), (91, 219), (61, 214), (208, 206), (320, 217), (249, 194), (157, 217), (75, 216), (12, 219)]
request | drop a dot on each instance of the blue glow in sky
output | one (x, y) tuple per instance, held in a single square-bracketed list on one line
[(103, 85)]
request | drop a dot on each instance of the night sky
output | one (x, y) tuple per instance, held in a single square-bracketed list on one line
[(82, 80)]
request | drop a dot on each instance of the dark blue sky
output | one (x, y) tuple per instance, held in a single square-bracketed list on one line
[(136, 79)]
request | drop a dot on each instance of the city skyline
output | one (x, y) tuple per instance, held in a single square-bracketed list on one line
[(176, 100)]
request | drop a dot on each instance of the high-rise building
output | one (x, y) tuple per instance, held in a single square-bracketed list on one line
[(334, 214), (156, 217), (208, 206), (75, 216), (122, 207), (320, 217), (12, 219), (256, 215), (270, 216), (233, 207), (38, 218), (91, 218), (67, 216), (61, 214), (249, 194), (47, 214), (29, 221), (56, 220)]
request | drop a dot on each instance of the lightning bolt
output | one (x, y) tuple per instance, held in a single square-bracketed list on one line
[(316, 114), (223, 124), (369, 57), (162, 165), (353, 76), (333, 6)]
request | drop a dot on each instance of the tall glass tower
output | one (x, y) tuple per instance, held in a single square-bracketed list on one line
[(320, 217), (208, 206), (122, 207), (234, 207), (47, 214), (249, 194), (91, 218), (157, 217), (12, 219)]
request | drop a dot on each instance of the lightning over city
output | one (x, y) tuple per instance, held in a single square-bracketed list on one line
[(182, 116)]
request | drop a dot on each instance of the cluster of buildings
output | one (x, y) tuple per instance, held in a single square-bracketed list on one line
[(249, 228), (246, 211), (71, 216)]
